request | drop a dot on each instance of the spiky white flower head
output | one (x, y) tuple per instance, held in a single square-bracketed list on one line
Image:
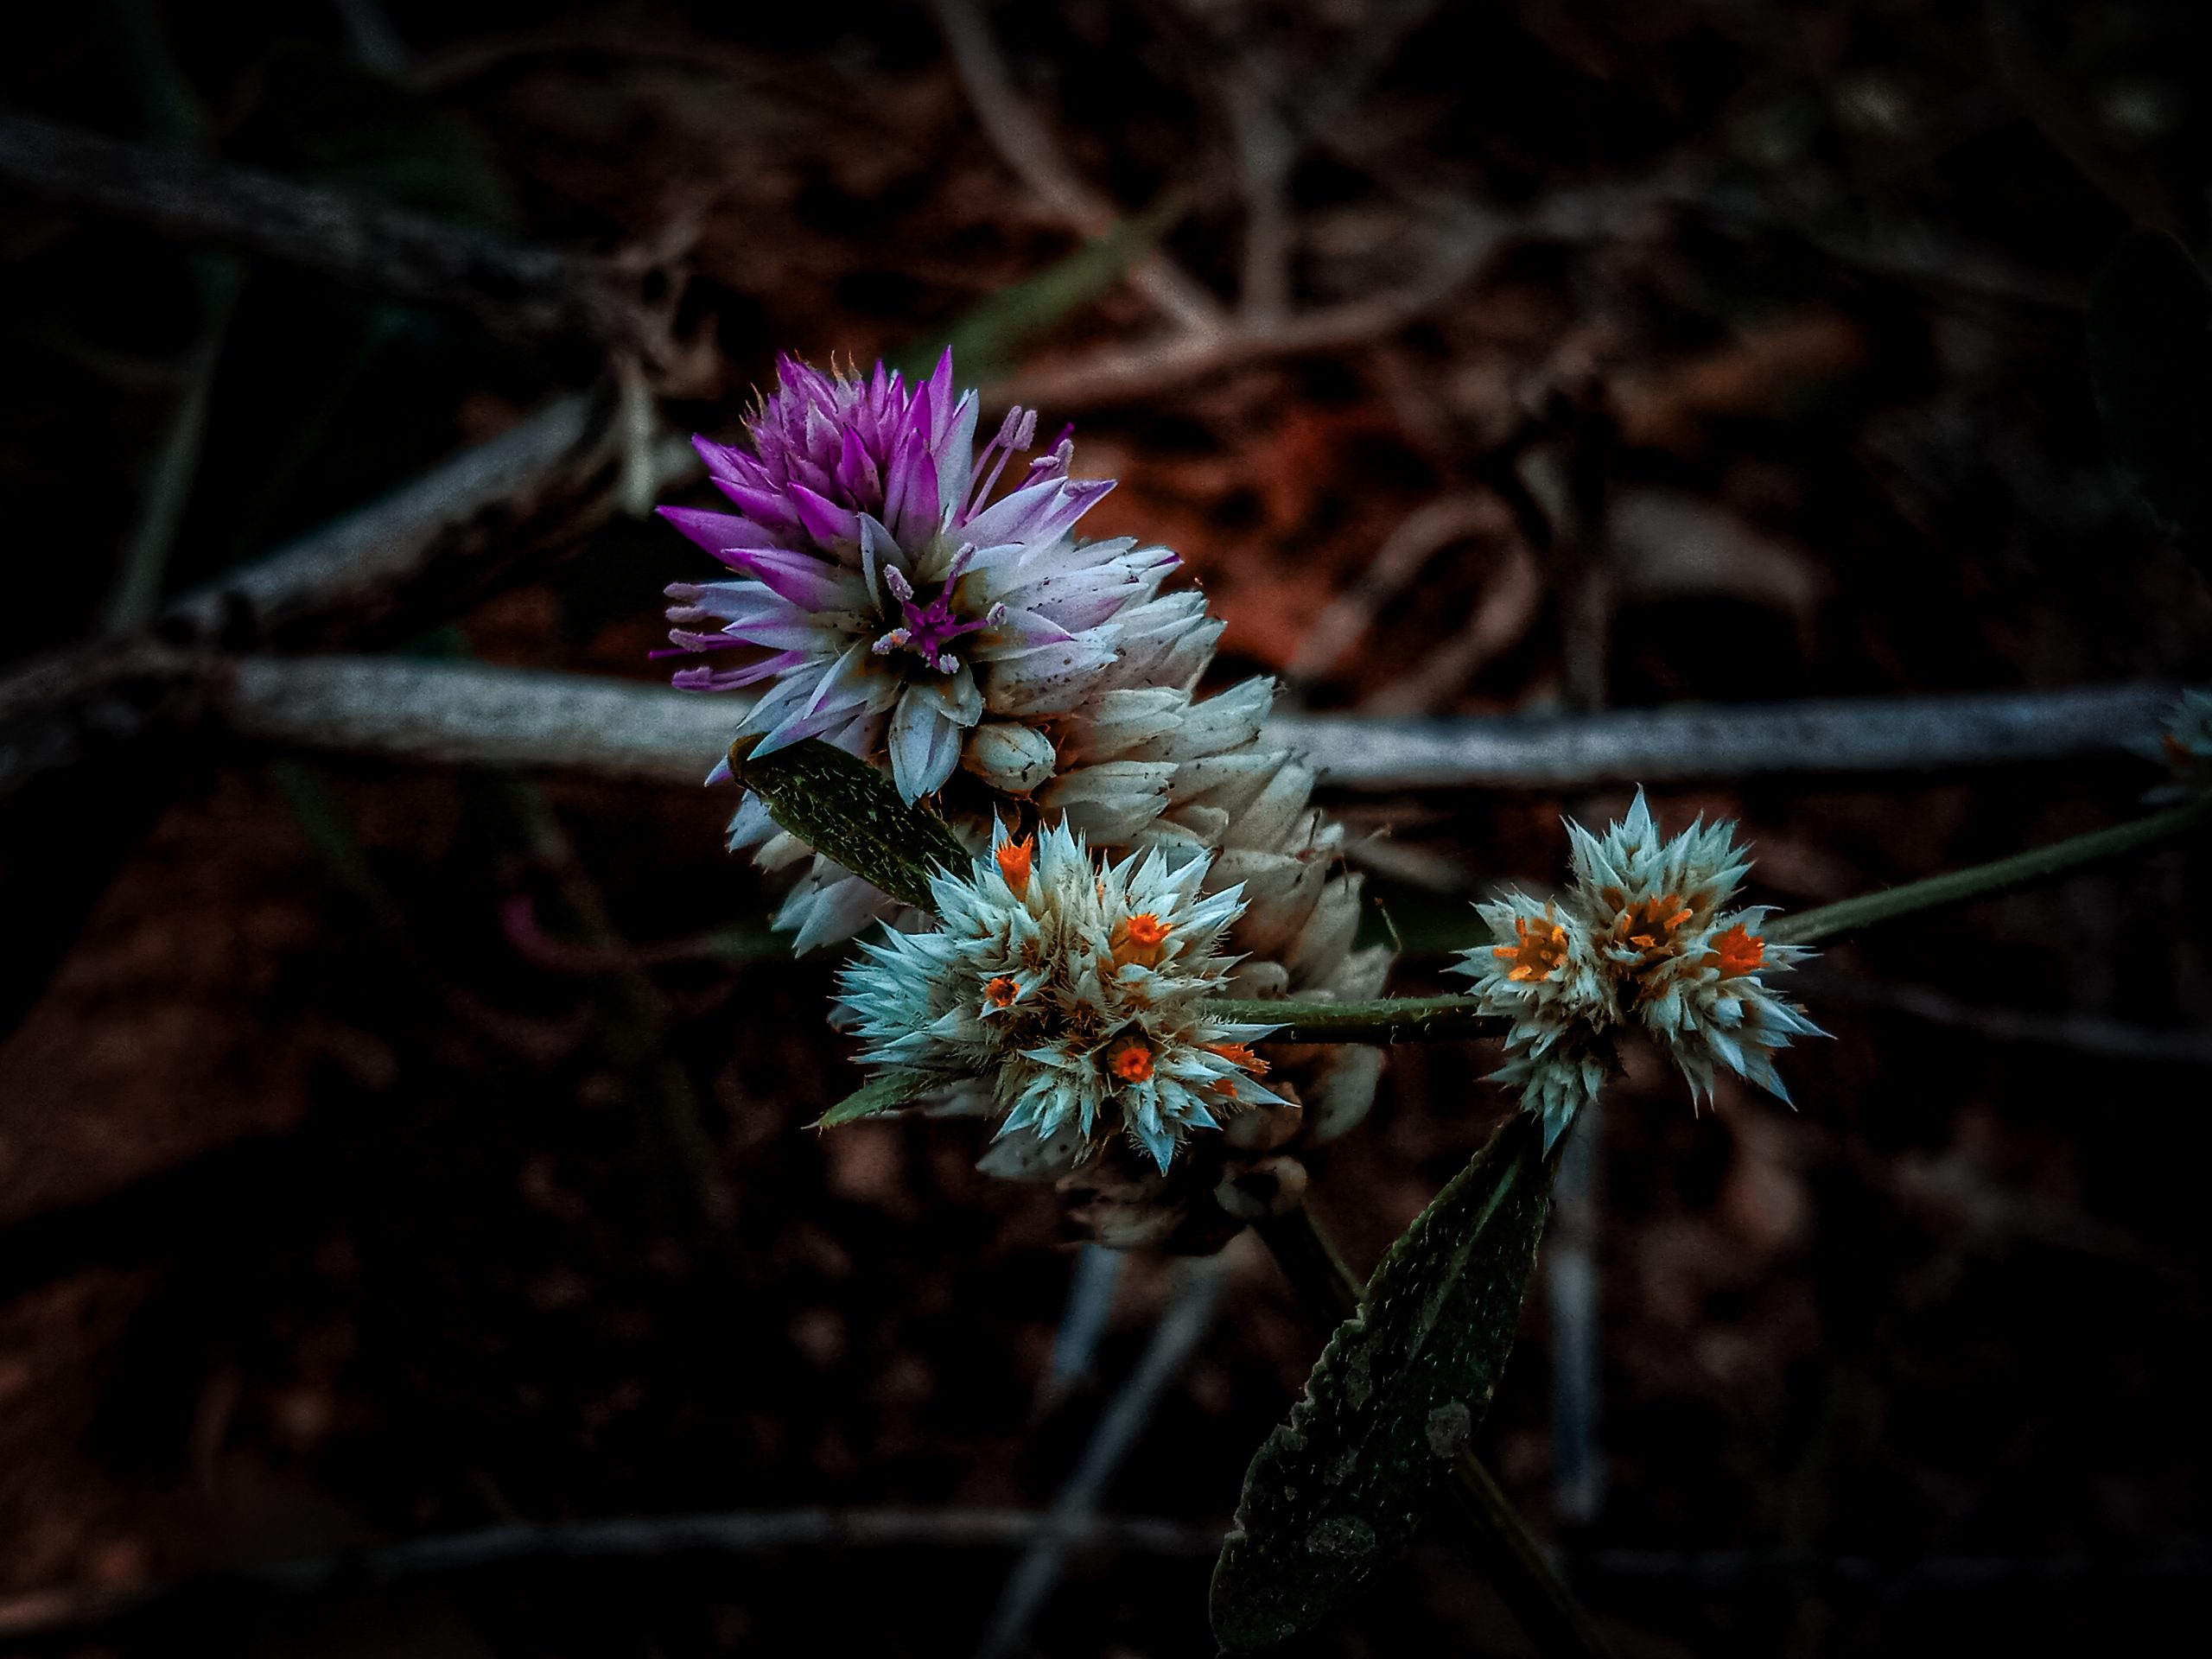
[(2188, 737), (883, 600), (1640, 937), (1073, 989)]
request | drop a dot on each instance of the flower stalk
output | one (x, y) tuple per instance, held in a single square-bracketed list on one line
[(1444, 1018), (2000, 876)]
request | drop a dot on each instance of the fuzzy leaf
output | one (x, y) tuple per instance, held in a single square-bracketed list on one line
[(1338, 1492), (847, 811), (2150, 363), (877, 1095)]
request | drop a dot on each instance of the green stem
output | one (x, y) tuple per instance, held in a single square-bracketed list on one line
[(1385, 1019), (1403, 1019), (1519, 1566), (1987, 880)]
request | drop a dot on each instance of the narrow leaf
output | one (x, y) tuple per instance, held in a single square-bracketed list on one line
[(847, 811), (2150, 363), (1338, 1492), (877, 1095), (988, 341)]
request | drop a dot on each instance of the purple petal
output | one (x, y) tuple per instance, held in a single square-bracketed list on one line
[(825, 519)]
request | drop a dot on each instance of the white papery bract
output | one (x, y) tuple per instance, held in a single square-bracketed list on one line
[(1640, 937), (1072, 990)]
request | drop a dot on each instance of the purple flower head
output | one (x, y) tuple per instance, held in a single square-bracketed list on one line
[(883, 601)]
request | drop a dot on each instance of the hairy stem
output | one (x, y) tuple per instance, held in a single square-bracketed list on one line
[(1385, 1019), (1518, 1564)]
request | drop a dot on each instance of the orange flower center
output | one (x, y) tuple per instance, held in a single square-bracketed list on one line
[(1139, 939), (1650, 923), (1540, 950), (1738, 951), (1002, 990), (1014, 858), (1130, 1060)]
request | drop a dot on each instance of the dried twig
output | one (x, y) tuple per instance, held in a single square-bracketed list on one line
[(469, 714), (375, 574), (2084, 1033), (533, 293), (72, 1611), (1027, 147), (1667, 745), (1425, 531), (1466, 236), (1183, 1323), (456, 529)]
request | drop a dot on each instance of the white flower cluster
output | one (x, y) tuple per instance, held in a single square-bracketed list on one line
[(1071, 993), (993, 661), (1642, 937)]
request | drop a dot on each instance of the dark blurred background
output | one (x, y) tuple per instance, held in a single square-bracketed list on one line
[(390, 1150)]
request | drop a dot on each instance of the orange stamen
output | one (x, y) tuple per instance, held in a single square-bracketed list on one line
[(1650, 924), (1738, 951), (1002, 990), (1240, 1056), (1014, 858), (1541, 950), (1131, 1061), (1139, 939)]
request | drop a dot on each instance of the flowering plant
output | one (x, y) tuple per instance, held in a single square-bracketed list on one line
[(1113, 925)]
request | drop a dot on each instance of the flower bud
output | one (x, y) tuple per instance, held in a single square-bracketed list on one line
[(1011, 757)]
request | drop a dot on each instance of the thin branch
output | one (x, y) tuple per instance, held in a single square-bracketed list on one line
[(379, 573), (1028, 149), (474, 714), (2181, 1559), (1183, 1324), (552, 476), (59, 713), (532, 293), (1468, 236), (1423, 533), (469, 715), (1665, 744), (2003, 875), (1091, 1287), (2084, 1033), (73, 1610)]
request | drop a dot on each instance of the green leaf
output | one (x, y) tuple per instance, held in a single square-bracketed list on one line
[(2150, 362), (1338, 1492), (989, 339), (877, 1095), (849, 811)]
